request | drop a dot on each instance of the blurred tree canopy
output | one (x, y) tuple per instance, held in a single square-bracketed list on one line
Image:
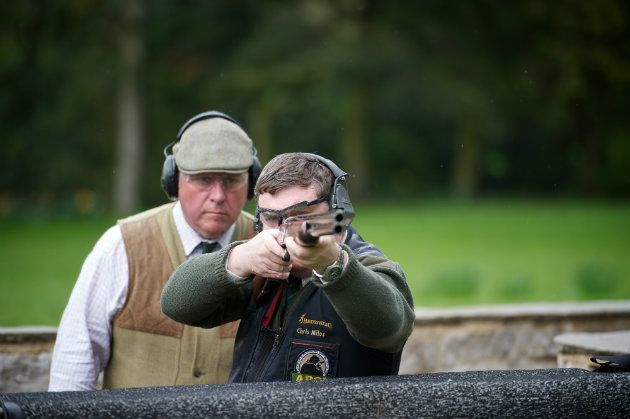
[(467, 99)]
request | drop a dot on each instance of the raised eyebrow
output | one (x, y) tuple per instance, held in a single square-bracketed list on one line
[(300, 211)]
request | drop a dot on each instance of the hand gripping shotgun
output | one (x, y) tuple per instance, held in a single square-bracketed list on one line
[(306, 229)]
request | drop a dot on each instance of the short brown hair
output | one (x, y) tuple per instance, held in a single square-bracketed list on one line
[(295, 169)]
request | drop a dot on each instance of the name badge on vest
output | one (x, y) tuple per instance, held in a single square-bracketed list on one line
[(310, 360)]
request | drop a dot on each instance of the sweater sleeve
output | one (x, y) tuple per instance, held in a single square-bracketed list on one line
[(201, 293), (374, 301)]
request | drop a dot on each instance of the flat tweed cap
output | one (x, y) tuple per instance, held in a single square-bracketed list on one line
[(213, 145)]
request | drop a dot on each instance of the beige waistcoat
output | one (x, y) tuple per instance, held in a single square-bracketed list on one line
[(148, 348)]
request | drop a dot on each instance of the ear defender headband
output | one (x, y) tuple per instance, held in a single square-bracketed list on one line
[(339, 197), (170, 173)]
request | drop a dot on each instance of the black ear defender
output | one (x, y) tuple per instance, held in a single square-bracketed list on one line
[(339, 196), (170, 173)]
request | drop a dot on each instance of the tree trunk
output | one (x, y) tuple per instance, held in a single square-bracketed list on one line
[(130, 141), (259, 129), (466, 159), (355, 157)]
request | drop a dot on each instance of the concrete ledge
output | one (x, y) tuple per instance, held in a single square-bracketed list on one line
[(506, 312), (27, 334), (609, 343), (576, 349), (555, 393)]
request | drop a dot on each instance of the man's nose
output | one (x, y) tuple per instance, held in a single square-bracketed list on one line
[(216, 192)]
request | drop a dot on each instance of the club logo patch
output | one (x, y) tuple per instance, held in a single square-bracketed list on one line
[(312, 362)]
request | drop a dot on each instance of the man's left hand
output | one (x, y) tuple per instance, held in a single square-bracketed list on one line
[(317, 257)]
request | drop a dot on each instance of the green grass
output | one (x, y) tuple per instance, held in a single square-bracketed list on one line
[(505, 251), (40, 260), (452, 254)]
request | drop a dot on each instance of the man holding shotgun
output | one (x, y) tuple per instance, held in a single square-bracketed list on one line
[(315, 300)]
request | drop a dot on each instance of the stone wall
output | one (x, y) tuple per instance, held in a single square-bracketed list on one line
[(502, 337), (25, 357)]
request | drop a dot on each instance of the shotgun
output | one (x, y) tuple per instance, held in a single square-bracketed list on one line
[(306, 229)]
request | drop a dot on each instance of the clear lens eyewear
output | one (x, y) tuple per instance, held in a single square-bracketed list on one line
[(206, 181), (273, 218)]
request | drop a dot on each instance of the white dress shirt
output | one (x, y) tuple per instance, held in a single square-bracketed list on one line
[(82, 348)]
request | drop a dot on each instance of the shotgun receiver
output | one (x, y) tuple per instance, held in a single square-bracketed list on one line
[(307, 229)]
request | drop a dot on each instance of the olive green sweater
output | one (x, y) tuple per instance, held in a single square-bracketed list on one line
[(371, 296)]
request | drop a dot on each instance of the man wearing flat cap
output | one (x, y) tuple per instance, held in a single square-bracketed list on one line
[(113, 322)]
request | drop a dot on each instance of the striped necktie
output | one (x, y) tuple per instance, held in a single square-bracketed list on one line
[(208, 247)]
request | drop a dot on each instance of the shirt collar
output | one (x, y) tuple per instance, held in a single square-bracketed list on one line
[(189, 237)]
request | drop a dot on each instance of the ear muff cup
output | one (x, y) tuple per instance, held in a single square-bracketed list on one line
[(169, 177), (254, 173)]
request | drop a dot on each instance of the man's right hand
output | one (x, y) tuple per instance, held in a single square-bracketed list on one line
[(261, 255)]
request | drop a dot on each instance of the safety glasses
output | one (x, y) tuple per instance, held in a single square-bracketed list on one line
[(274, 218), (207, 181)]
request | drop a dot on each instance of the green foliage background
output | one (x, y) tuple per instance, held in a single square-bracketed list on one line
[(487, 141), (416, 99)]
